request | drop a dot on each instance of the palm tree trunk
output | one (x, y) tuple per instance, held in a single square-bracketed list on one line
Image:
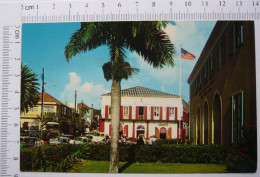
[(115, 120)]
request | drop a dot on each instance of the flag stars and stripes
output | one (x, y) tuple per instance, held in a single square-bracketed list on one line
[(187, 55)]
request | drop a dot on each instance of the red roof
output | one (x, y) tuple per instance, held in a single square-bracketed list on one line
[(82, 105), (47, 98)]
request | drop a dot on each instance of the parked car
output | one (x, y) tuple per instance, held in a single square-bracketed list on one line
[(27, 141), (98, 138), (64, 140), (82, 140), (54, 141)]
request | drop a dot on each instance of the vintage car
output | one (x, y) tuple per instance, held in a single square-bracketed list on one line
[(54, 141), (27, 141), (82, 140)]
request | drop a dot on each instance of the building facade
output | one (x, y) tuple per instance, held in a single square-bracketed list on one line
[(223, 85), (144, 112), (53, 111)]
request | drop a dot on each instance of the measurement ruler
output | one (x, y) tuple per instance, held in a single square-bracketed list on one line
[(14, 13)]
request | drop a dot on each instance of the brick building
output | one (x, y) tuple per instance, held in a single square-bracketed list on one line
[(223, 85)]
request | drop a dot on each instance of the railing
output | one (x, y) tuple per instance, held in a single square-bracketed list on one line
[(140, 117)]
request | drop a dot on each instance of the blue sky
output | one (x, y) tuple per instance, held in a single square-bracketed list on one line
[(43, 47)]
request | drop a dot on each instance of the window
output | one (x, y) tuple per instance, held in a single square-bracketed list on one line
[(213, 64), (34, 109), (156, 111), (48, 109), (231, 42), (64, 110), (239, 34), (218, 59), (206, 73), (125, 110), (222, 53), (141, 113), (237, 102), (171, 112), (109, 110)]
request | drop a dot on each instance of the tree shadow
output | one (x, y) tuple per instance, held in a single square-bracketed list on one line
[(125, 166)]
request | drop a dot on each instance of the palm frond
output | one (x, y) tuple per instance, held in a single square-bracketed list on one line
[(29, 88), (88, 37), (153, 45)]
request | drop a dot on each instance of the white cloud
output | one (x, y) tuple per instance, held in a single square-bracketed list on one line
[(74, 81), (88, 92)]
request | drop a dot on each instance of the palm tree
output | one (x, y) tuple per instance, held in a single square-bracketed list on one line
[(29, 88), (145, 38)]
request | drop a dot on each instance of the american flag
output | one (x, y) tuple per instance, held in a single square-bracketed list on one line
[(187, 55)]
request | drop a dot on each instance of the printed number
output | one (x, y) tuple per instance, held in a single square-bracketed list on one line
[(16, 108), (239, 3), (222, 3), (70, 6), (171, 3), (153, 4), (119, 5), (16, 91), (15, 158), (136, 3), (16, 124), (204, 3), (255, 3), (18, 59), (188, 3), (103, 4)]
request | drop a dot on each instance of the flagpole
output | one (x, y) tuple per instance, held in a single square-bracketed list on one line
[(180, 96), (180, 76)]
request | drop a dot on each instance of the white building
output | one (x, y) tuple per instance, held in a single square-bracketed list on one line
[(144, 112)]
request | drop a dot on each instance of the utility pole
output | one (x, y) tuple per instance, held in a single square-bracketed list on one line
[(76, 101), (82, 108), (42, 93)]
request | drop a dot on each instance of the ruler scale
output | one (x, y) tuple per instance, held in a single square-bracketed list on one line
[(13, 15)]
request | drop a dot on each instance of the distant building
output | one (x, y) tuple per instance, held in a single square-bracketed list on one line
[(86, 113), (223, 85), (53, 111), (145, 112)]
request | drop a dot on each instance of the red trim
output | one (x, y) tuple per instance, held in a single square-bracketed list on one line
[(106, 112), (168, 113), (133, 130), (161, 113), (152, 114), (147, 130), (109, 129), (101, 125), (130, 112), (121, 112), (136, 112), (145, 113), (176, 113), (156, 132), (177, 130)]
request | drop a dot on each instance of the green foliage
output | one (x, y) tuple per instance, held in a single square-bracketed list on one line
[(242, 157), (181, 153), (29, 88), (61, 157)]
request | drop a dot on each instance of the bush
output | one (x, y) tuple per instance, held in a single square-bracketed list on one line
[(51, 158), (181, 153)]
